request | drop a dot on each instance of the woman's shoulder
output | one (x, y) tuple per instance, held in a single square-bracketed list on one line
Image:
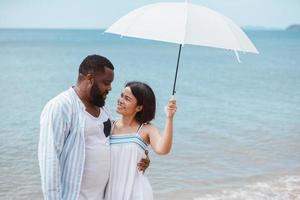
[(149, 127)]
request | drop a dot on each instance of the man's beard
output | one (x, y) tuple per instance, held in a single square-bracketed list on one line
[(97, 98)]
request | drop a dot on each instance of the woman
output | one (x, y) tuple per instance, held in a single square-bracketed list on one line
[(130, 137)]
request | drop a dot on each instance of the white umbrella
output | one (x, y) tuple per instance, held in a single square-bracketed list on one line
[(183, 23)]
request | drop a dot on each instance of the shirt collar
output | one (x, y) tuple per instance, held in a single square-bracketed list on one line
[(77, 97)]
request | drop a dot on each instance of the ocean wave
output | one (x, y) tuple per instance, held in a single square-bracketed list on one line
[(283, 188)]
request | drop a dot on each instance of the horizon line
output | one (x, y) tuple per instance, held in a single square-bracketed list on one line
[(248, 27)]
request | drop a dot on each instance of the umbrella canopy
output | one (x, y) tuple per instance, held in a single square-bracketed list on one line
[(183, 23)]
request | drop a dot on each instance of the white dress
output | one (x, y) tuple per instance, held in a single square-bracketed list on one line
[(126, 182)]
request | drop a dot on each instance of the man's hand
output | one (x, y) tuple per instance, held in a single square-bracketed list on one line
[(144, 163)]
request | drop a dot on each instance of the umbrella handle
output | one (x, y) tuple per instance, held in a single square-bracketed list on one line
[(178, 58)]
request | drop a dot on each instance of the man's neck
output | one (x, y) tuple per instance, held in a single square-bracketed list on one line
[(89, 107)]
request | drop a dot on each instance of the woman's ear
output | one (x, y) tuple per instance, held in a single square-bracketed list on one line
[(139, 108)]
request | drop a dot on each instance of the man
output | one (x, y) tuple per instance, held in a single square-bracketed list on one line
[(74, 155)]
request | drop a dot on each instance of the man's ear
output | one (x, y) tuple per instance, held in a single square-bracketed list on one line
[(90, 79)]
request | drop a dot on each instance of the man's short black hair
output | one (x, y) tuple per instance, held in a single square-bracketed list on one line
[(146, 98), (93, 64)]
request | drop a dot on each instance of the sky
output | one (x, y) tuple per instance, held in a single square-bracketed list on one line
[(97, 14)]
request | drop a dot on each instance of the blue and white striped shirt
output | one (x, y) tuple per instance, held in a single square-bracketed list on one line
[(61, 150)]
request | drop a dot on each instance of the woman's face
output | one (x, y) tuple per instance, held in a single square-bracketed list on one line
[(127, 103)]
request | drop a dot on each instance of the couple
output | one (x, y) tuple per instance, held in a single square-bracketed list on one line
[(84, 154)]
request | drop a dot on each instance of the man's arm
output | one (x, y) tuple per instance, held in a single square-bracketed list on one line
[(52, 133), (144, 163)]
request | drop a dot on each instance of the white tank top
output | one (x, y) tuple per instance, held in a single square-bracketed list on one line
[(97, 157)]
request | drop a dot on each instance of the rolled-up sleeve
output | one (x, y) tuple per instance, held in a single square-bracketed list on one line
[(53, 129)]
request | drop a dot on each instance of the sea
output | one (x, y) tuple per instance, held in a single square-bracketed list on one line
[(237, 127)]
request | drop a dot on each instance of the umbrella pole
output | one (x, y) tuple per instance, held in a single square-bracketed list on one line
[(176, 70)]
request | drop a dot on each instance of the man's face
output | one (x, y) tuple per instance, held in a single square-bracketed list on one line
[(101, 87)]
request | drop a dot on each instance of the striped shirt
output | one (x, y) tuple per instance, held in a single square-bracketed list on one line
[(61, 150)]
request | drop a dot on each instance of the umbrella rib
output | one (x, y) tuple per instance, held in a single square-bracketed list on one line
[(235, 38), (242, 48), (238, 46)]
